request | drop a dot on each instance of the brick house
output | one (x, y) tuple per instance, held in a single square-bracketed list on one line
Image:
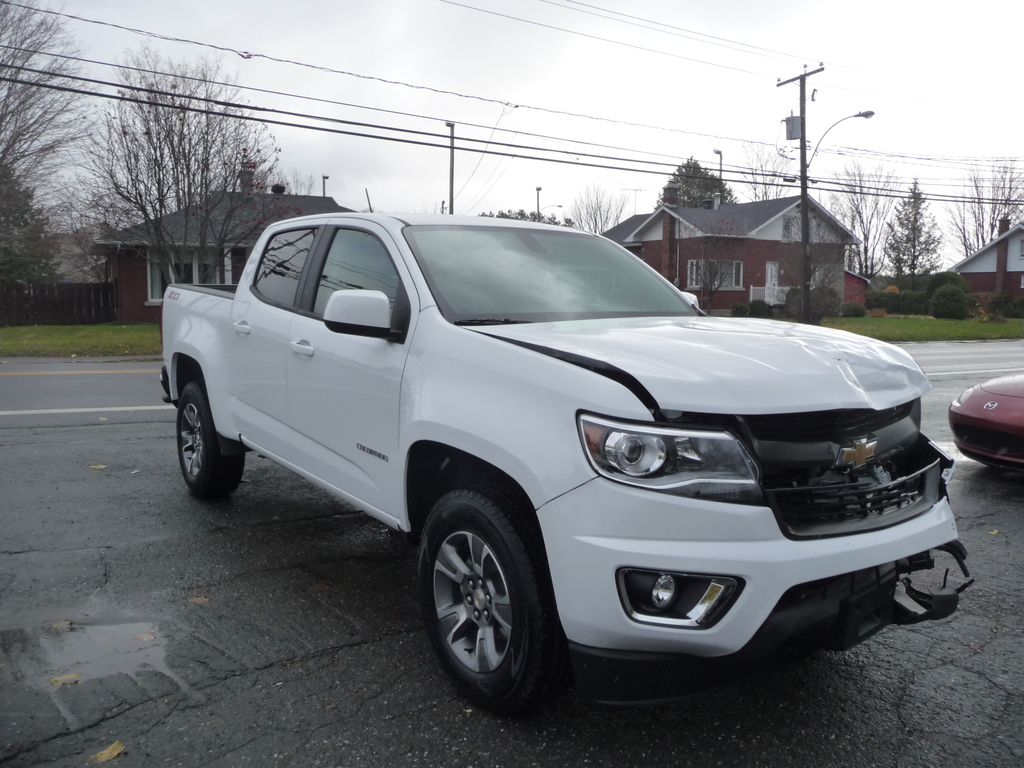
[(140, 280), (999, 266), (755, 248)]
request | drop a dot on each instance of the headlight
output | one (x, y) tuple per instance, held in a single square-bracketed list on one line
[(963, 397), (686, 462)]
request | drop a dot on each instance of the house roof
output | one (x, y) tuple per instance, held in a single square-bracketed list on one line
[(1019, 228), (247, 215), (621, 231), (739, 219)]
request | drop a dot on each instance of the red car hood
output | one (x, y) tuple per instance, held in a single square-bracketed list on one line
[(1007, 386)]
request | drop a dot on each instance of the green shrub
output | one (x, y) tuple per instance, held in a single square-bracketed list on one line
[(1006, 305), (739, 309), (950, 303), (854, 309), (759, 308), (939, 279), (895, 303)]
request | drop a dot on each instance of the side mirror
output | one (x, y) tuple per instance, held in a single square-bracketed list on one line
[(359, 313)]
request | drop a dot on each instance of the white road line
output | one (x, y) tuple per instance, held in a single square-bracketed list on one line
[(984, 372), (47, 411)]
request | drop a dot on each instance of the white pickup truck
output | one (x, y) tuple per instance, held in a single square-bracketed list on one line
[(606, 487)]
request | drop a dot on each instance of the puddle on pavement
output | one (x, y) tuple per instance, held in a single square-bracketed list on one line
[(98, 651)]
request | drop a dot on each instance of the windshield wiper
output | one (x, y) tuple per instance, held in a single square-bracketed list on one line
[(491, 321)]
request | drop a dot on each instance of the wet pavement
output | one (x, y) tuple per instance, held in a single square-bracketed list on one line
[(280, 627)]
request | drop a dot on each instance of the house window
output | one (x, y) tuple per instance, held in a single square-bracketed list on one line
[(791, 227), (1022, 282), (720, 274), (208, 270)]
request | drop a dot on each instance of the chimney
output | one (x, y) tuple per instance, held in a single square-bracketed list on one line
[(717, 197), (245, 178), (278, 189), (670, 196), (1004, 225)]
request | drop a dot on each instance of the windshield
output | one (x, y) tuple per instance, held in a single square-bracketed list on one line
[(507, 275)]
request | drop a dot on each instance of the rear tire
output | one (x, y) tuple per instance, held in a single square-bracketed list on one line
[(208, 473), (487, 601)]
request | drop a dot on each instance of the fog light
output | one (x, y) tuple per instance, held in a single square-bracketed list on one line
[(673, 599), (664, 591)]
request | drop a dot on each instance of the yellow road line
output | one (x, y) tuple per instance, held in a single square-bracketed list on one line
[(64, 373)]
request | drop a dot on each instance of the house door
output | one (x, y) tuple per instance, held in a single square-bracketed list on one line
[(771, 283)]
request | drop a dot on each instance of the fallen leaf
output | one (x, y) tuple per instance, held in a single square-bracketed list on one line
[(145, 638), (994, 533), (98, 466), (66, 679), (199, 599), (61, 624), (103, 418), (109, 753)]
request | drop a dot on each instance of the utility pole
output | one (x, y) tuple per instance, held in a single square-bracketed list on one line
[(805, 227), (451, 170)]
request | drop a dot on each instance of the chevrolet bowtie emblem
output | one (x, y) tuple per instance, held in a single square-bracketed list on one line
[(858, 455)]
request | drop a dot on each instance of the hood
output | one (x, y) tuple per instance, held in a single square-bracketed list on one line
[(1007, 386), (737, 366)]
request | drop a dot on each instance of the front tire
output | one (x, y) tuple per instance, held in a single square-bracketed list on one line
[(487, 601), (208, 473)]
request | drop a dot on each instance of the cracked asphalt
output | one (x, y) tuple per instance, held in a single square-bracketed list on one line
[(280, 628)]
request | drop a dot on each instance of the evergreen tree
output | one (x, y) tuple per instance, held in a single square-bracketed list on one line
[(26, 245), (696, 184), (912, 243)]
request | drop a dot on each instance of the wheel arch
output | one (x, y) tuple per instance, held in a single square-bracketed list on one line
[(433, 469)]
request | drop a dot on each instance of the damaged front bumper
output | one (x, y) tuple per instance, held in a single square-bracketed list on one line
[(835, 613)]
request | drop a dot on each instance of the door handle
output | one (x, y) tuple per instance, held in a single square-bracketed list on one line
[(303, 348), (242, 328)]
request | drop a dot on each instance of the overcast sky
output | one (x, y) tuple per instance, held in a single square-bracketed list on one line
[(659, 80)]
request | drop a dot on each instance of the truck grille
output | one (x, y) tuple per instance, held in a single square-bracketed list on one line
[(855, 507), (825, 425)]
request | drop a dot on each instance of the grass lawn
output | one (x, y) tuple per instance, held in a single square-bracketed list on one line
[(105, 340), (114, 339), (921, 328)]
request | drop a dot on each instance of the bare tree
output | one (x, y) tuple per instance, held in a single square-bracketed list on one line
[(298, 183), (766, 168), (865, 205), (989, 197), (37, 123), (596, 210), (174, 160)]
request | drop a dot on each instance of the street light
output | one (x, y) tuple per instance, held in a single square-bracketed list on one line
[(719, 153), (451, 170), (323, 181), (553, 205), (805, 223), (866, 114), (538, 203)]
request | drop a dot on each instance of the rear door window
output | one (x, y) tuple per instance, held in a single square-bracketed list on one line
[(280, 268)]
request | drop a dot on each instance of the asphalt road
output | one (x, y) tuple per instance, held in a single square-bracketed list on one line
[(280, 627)]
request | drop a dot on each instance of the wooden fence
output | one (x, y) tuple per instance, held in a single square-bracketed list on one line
[(57, 303)]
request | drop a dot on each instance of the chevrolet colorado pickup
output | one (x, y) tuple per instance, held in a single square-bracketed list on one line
[(606, 487)]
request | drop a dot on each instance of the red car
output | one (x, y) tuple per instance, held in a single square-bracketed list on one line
[(988, 422)]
